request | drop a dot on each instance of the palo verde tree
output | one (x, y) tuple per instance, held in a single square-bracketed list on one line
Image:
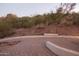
[(64, 11)]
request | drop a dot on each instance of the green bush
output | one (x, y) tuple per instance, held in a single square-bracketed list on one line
[(21, 23), (5, 29)]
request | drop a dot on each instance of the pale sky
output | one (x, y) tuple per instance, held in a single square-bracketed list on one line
[(28, 9)]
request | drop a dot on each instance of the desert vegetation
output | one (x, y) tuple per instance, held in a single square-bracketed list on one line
[(63, 16)]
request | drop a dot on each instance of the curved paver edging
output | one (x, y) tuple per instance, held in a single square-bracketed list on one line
[(60, 50)]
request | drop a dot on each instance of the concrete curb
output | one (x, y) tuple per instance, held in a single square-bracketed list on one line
[(36, 36), (60, 50)]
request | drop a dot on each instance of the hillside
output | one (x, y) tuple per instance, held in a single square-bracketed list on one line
[(61, 30)]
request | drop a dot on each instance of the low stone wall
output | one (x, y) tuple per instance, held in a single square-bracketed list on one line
[(49, 34), (60, 50)]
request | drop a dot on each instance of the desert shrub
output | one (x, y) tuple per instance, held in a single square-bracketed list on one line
[(75, 18), (22, 22), (37, 19), (5, 29), (16, 23), (25, 22)]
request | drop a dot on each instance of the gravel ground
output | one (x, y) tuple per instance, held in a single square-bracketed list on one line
[(34, 46)]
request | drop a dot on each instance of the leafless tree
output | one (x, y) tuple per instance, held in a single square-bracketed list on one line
[(66, 7)]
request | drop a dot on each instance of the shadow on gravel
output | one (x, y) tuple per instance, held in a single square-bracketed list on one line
[(2, 44)]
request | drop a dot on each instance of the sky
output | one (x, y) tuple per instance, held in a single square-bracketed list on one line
[(28, 9)]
